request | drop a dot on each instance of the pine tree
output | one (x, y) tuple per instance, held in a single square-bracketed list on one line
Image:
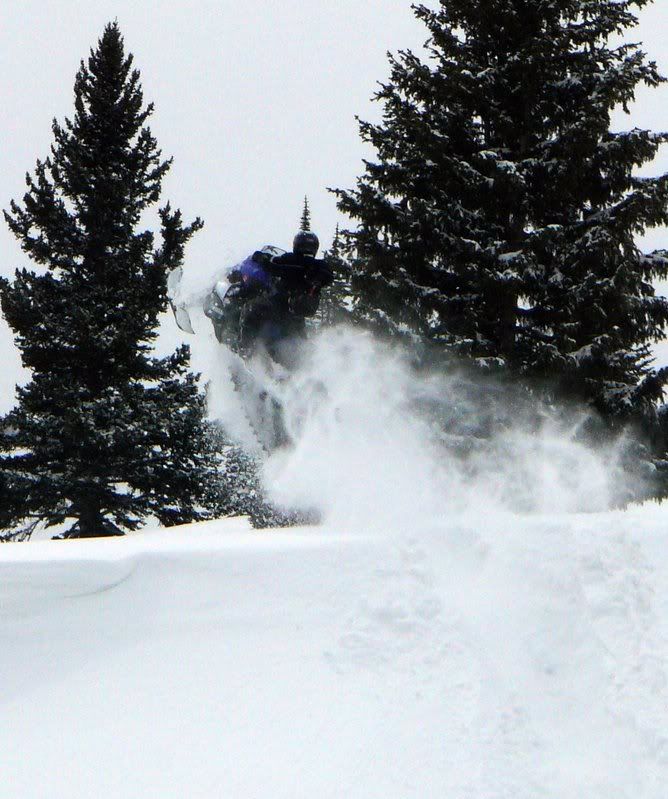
[(336, 300), (499, 217), (105, 434), (305, 222)]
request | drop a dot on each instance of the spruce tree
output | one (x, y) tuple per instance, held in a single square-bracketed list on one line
[(336, 301), (105, 433), (499, 216), (305, 222)]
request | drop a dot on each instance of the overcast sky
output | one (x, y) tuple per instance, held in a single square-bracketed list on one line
[(254, 100)]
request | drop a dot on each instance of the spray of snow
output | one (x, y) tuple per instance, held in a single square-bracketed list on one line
[(377, 444)]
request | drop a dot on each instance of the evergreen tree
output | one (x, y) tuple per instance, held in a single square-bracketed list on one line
[(336, 301), (238, 489), (305, 222), (499, 217), (105, 434)]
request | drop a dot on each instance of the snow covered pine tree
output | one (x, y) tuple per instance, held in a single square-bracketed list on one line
[(305, 222), (499, 218), (336, 302), (105, 434)]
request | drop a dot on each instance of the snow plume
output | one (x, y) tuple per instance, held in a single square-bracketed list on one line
[(377, 442)]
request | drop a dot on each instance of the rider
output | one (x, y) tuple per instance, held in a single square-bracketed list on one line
[(273, 295)]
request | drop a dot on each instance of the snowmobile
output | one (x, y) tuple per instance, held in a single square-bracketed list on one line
[(264, 324)]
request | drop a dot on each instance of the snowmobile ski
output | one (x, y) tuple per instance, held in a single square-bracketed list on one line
[(179, 309)]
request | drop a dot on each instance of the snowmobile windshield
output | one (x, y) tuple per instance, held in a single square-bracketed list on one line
[(272, 251)]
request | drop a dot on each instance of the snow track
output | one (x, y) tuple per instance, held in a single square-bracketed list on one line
[(625, 593)]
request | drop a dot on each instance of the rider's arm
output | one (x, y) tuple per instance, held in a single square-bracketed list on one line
[(324, 273), (284, 266), (313, 271)]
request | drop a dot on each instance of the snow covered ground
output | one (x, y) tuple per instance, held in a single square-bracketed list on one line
[(497, 635), (483, 656)]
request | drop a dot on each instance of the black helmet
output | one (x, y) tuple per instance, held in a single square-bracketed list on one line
[(305, 243)]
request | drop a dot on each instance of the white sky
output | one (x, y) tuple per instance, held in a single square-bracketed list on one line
[(255, 100)]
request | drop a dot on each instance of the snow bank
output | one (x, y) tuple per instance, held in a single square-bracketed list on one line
[(485, 657)]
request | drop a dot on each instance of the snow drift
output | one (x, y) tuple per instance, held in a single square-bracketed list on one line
[(488, 657)]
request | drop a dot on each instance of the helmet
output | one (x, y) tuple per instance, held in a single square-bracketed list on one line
[(305, 243)]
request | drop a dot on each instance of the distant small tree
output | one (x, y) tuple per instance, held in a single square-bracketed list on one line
[(105, 434), (238, 490), (305, 222), (336, 302)]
